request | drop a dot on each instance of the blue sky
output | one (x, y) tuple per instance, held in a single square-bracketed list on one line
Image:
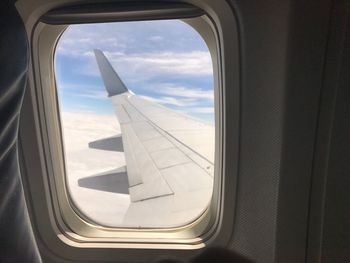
[(164, 61)]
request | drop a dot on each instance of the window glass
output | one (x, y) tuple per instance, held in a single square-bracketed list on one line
[(137, 114)]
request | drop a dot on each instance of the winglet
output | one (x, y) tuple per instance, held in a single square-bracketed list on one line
[(114, 85)]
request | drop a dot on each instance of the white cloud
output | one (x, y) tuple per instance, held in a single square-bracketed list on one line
[(98, 95), (74, 86), (77, 42), (182, 91), (156, 38), (148, 56), (195, 63), (84, 91), (139, 52), (171, 101), (137, 68), (91, 125)]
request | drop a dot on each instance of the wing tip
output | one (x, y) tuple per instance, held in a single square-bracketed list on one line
[(97, 51), (113, 84)]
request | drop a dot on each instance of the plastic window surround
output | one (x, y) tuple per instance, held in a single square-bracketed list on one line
[(73, 218), (64, 222)]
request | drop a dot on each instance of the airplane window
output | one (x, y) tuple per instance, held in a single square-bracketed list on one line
[(137, 116)]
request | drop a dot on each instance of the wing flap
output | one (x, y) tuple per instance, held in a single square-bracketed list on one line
[(142, 172)]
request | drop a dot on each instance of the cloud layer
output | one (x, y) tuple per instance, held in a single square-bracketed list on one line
[(79, 129)]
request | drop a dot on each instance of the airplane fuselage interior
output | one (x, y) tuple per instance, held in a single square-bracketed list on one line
[(174, 131)]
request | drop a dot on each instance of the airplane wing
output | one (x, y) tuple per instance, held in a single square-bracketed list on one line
[(169, 157)]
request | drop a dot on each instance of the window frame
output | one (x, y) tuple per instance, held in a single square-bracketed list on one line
[(198, 224), (43, 191)]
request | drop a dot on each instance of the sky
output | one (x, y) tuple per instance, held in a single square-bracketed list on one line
[(163, 61)]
